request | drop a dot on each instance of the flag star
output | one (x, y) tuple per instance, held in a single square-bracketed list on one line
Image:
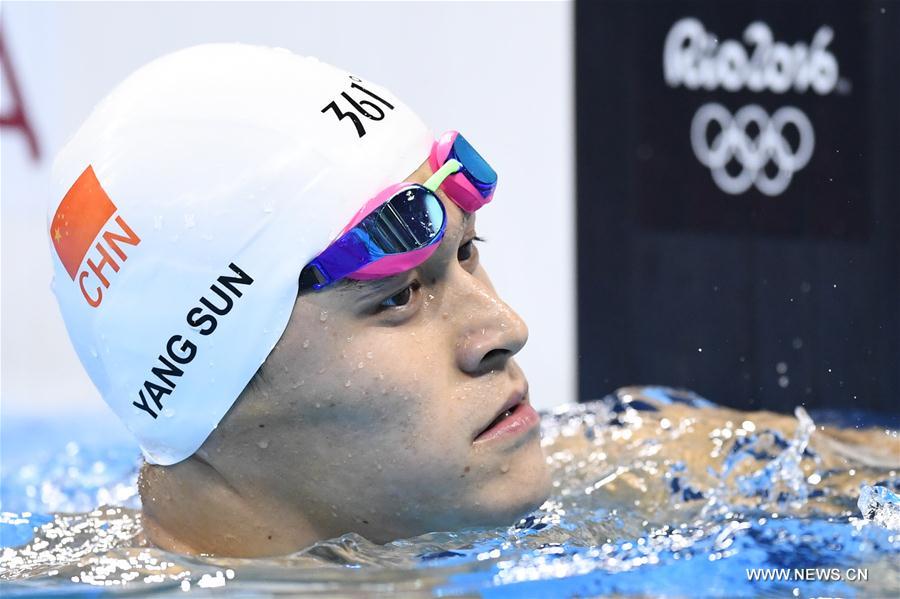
[(57, 235)]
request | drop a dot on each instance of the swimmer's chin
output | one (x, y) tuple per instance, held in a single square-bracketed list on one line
[(520, 497)]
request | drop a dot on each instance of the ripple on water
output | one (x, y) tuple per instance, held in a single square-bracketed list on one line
[(655, 490)]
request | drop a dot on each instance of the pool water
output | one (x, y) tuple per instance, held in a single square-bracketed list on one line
[(656, 492)]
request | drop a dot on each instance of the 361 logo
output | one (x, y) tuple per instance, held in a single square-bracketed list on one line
[(359, 107), (82, 217), (751, 138)]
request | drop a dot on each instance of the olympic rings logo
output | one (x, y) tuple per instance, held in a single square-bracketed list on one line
[(731, 140)]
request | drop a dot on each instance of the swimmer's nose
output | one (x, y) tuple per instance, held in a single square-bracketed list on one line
[(491, 332)]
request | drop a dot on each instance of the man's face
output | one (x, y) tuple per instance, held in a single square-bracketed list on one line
[(367, 413)]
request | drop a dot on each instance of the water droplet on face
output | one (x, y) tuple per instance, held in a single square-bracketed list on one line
[(263, 444), (369, 355), (323, 316), (322, 370), (361, 365), (347, 384), (504, 468), (305, 343)]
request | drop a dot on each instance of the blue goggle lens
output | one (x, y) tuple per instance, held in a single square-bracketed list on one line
[(410, 220), (474, 167)]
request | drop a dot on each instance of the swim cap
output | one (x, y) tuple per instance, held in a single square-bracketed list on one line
[(186, 206)]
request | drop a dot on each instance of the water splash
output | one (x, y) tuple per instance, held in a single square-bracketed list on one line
[(880, 505), (654, 490)]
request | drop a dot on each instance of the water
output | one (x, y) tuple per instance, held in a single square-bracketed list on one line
[(656, 492)]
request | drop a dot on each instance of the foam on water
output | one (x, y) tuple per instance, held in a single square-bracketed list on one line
[(656, 492)]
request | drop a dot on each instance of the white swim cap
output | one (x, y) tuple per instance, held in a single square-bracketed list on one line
[(186, 206)]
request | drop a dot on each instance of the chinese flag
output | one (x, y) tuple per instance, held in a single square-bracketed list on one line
[(79, 218)]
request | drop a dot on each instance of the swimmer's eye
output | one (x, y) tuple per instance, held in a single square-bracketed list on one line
[(468, 249), (401, 298)]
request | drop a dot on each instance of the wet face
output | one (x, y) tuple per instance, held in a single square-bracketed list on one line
[(392, 407)]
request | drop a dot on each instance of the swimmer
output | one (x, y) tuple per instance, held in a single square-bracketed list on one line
[(269, 268)]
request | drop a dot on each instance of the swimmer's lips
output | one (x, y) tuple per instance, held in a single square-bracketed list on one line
[(515, 416)]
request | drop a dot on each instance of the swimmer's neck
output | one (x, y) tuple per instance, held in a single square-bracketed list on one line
[(189, 508)]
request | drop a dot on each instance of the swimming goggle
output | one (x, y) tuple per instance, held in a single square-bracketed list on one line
[(402, 226)]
